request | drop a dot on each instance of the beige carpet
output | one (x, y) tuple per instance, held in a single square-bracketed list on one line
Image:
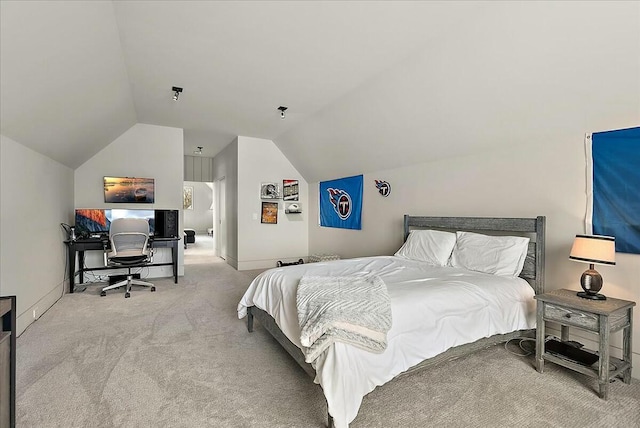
[(201, 251), (179, 357)]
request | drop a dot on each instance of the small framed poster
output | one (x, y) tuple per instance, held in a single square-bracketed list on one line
[(290, 190), (269, 213), (269, 191), (187, 198)]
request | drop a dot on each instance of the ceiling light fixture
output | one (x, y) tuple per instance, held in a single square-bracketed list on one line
[(199, 151), (282, 110), (176, 92)]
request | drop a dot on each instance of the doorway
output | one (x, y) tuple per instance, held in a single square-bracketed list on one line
[(198, 212)]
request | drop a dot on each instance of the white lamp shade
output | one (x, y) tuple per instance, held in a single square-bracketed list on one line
[(594, 249)]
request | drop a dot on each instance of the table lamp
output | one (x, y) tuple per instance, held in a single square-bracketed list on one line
[(595, 250)]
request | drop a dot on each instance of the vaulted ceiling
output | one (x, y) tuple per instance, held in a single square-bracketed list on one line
[(360, 79)]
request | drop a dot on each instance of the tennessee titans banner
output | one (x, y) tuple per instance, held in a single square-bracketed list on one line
[(341, 203), (614, 193)]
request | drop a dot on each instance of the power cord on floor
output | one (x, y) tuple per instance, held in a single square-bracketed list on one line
[(528, 350), (92, 278)]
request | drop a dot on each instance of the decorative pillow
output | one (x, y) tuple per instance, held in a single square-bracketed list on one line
[(498, 255), (431, 246)]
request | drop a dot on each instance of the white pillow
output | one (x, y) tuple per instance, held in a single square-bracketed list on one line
[(431, 246), (498, 255)]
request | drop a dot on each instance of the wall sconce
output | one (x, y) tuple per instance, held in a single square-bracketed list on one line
[(176, 92), (593, 249), (282, 110)]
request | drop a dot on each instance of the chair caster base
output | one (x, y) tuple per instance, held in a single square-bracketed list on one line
[(153, 289), (103, 293), (127, 295)]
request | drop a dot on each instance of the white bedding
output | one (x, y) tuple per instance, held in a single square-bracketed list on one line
[(433, 309)]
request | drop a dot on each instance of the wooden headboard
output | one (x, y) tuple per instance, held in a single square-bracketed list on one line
[(533, 270)]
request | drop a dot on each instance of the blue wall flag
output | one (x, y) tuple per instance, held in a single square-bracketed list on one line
[(616, 187), (341, 203)]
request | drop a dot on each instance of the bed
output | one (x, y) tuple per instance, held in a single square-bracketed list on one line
[(440, 310)]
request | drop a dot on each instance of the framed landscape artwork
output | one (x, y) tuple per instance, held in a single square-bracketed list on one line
[(129, 190)]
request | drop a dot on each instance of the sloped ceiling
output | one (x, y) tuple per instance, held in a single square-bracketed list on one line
[(369, 85), (64, 89)]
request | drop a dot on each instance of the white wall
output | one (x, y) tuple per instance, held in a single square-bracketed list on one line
[(200, 218), (36, 196), (528, 73), (262, 245), (225, 170), (148, 151), (539, 179)]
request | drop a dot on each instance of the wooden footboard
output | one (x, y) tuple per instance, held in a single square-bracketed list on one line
[(451, 354), (466, 349), (270, 325)]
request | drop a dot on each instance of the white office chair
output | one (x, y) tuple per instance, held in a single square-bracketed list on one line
[(129, 239)]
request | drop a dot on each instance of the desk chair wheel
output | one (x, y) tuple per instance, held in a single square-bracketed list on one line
[(153, 289), (103, 293), (127, 295)]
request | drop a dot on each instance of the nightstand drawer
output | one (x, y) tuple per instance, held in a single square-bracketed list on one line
[(571, 317)]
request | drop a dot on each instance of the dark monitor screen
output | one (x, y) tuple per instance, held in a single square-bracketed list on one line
[(92, 221)]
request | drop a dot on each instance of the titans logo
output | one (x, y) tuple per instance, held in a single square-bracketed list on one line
[(384, 188), (341, 202)]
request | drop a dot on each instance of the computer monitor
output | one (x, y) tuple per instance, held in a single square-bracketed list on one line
[(89, 221), (98, 221), (148, 215)]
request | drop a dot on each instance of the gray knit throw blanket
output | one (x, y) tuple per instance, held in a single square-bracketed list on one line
[(351, 309)]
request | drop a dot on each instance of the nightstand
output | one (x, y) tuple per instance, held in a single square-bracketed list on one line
[(599, 316)]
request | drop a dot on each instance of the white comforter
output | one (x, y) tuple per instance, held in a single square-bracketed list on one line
[(433, 309)]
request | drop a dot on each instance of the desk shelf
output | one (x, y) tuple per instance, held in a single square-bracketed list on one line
[(591, 371)]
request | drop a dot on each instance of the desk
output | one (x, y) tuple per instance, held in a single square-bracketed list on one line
[(79, 246), (8, 361)]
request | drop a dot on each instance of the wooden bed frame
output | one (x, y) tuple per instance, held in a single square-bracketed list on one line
[(532, 272)]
